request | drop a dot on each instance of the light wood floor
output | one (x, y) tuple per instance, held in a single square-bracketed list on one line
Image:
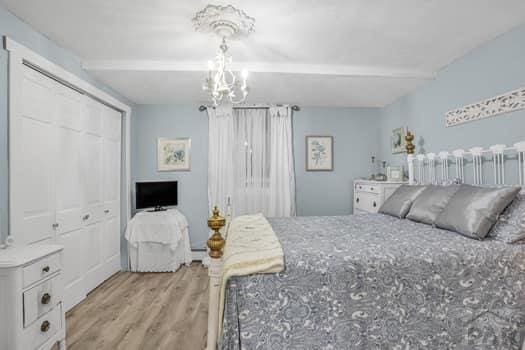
[(143, 311)]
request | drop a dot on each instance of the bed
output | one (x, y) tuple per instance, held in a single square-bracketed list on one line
[(374, 281), (377, 282)]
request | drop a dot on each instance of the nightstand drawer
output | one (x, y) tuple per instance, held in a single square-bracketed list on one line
[(41, 269), (367, 201), (40, 299), (361, 187)]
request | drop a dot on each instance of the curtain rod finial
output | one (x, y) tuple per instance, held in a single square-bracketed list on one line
[(296, 108), (202, 108)]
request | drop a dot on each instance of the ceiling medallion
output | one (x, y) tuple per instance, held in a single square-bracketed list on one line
[(225, 21), (228, 23)]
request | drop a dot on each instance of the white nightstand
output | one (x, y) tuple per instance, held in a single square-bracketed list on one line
[(370, 195), (32, 316)]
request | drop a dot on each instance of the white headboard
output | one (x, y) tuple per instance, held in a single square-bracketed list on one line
[(434, 168)]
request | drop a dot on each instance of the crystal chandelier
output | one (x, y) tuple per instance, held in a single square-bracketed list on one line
[(222, 84)]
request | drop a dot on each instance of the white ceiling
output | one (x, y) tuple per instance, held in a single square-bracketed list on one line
[(326, 53)]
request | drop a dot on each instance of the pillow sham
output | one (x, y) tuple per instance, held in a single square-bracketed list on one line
[(510, 227), (473, 210), (430, 203), (399, 203)]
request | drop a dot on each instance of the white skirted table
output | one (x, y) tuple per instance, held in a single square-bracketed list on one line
[(158, 241)]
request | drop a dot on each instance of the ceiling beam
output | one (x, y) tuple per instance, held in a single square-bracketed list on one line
[(260, 67)]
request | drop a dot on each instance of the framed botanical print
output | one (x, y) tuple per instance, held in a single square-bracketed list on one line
[(319, 153), (398, 141), (173, 154)]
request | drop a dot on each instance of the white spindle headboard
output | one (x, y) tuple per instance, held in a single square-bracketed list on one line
[(432, 168)]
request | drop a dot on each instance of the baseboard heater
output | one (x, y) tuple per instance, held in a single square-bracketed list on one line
[(198, 254)]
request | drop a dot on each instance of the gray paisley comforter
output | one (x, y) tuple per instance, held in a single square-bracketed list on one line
[(377, 282)]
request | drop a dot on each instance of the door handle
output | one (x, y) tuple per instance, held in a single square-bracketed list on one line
[(375, 204)]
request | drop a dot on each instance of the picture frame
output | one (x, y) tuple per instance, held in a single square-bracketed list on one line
[(319, 153), (394, 173), (174, 154), (397, 141)]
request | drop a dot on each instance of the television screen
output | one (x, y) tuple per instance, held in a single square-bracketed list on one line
[(155, 194)]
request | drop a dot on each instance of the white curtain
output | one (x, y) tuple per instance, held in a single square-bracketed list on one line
[(220, 157), (281, 200), (251, 161)]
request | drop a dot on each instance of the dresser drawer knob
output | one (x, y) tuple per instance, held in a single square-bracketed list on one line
[(375, 204), (46, 298), (357, 200), (85, 217), (106, 211), (371, 188), (45, 269), (45, 326)]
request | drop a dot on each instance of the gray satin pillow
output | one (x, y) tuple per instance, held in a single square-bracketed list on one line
[(399, 203), (430, 203), (473, 210), (510, 227)]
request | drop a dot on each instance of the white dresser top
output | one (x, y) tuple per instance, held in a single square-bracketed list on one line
[(14, 256), (380, 182)]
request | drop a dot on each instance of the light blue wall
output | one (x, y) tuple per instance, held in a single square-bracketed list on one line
[(151, 122), (355, 134), (16, 29), (494, 68)]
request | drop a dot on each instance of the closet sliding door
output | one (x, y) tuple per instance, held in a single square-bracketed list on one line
[(111, 150), (65, 174), (70, 107), (92, 183), (32, 160)]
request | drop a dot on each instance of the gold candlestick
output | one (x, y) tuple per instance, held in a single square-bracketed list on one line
[(409, 146), (215, 243)]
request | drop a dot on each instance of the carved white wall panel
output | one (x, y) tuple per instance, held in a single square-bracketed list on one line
[(505, 103)]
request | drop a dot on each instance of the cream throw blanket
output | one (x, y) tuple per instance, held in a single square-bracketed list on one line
[(251, 247)]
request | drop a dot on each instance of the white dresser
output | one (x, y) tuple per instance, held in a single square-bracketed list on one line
[(370, 195), (31, 292)]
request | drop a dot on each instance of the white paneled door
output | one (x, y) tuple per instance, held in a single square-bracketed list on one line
[(65, 179), (32, 180), (69, 205)]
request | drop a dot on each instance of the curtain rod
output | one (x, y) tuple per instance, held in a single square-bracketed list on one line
[(294, 108)]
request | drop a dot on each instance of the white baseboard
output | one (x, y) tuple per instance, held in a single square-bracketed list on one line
[(198, 255)]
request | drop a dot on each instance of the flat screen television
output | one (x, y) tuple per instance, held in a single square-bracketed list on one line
[(156, 195)]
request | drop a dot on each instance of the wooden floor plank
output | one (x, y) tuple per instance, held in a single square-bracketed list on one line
[(143, 311)]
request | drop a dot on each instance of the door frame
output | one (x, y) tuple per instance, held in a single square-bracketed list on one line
[(20, 55)]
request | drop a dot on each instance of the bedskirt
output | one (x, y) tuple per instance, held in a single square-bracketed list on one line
[(377, 282)]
